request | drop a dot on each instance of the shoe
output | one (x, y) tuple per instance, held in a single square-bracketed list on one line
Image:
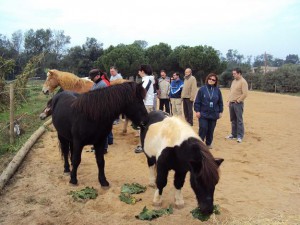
[(231, 137), (105, 151), (138, 149), (110, 142), (239, 140), (209, 146)]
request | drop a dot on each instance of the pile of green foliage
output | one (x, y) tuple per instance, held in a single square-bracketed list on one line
[(198, 215), (84, 194), (147, 214), (128, 189)]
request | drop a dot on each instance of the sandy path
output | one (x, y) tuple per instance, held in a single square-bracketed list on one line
[(260, 182)]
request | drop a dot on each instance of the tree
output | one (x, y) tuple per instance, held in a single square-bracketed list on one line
[(293, 59), (127, 58), (201, 59), (158, 55), (141, 43)]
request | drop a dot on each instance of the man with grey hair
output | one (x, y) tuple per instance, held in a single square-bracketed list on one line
[(188, 95)]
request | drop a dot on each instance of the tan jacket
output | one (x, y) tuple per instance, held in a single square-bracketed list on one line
[(238, 90), (164, 88), (189, 88)]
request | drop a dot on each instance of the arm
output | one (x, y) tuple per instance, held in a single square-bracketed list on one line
[(197, 104), (194, 89), (244, 91)]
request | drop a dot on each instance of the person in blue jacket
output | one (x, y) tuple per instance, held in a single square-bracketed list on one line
[(209, 108)]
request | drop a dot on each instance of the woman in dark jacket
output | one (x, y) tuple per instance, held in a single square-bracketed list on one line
[(209, 108)]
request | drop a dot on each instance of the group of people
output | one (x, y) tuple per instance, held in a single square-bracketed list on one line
[(175, 94)]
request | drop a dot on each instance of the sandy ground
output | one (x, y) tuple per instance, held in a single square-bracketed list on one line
[(260, 182)]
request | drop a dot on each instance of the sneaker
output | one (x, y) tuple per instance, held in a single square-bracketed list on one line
[(239, 140), (105, 151), (231, 137), (138, 149)]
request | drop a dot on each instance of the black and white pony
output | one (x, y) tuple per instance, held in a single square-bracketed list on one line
[(172, 144), (88, 118)]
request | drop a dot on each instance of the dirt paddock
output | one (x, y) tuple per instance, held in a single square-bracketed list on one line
[(259, 184)]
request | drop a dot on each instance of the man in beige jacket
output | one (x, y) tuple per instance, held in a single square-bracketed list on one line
[(188, 95), (238, 93)]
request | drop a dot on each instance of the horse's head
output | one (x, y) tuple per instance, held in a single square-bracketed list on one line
[(136, 111), (51, 83), (47, 111), (203, 181)]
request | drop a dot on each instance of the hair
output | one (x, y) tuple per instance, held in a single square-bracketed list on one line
[(114, 67), (238, 70), (95, 72), (146, 68), (163, 71), (212, 75)]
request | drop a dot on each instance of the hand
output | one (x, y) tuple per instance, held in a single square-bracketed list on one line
[(198, 115)]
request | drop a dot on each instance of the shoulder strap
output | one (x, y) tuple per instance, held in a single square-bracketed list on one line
[(148, 85)]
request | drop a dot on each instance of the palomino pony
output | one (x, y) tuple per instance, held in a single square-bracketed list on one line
[(70, 82), (67, 81), (88, 118), (172, 144)]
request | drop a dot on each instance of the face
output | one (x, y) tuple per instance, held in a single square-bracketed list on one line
[(187, 72), (141, 73), (50, 84), (47, 111), (212, 80), (236, 75), (113, 72), (163, 74), (175, 77)]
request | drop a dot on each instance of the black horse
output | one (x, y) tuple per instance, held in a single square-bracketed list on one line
[(172, 144), (88, 118)]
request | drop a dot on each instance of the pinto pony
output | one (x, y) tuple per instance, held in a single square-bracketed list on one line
[(88, 118), (172, 144)]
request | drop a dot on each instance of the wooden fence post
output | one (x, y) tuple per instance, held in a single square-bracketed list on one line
[(11, 113)]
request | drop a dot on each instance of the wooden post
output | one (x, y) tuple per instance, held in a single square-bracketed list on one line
[(275, 88), (11, 113)]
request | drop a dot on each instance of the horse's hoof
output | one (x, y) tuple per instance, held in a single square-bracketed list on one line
[(157, 204), (179, 206), (153, 185), (75, 182), (104, 184)]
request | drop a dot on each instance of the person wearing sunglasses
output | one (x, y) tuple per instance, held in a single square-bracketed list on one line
[(209, 108)]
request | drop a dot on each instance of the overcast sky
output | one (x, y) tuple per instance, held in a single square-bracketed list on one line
[(251, 27)]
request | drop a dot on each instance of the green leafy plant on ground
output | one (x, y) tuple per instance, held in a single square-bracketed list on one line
[(84, 194), (128, 198), (128, 189), (133, 188), (148, 214), (198, 215)]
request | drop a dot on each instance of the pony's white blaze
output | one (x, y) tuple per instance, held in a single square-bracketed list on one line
[(170, 132)]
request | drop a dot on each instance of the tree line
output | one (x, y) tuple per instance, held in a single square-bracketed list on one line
[(53, 44)]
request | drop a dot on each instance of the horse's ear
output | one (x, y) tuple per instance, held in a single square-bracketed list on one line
[(50, 72), (219, 161)]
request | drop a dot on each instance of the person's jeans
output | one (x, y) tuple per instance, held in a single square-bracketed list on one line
[(188, 110), (236, 118), (206, 130), (109, 140)]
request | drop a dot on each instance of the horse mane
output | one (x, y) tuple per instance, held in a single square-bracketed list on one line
[(69, 81), (107, 102), (209, 172)]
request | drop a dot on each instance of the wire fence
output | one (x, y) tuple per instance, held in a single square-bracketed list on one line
[(22, 117)]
